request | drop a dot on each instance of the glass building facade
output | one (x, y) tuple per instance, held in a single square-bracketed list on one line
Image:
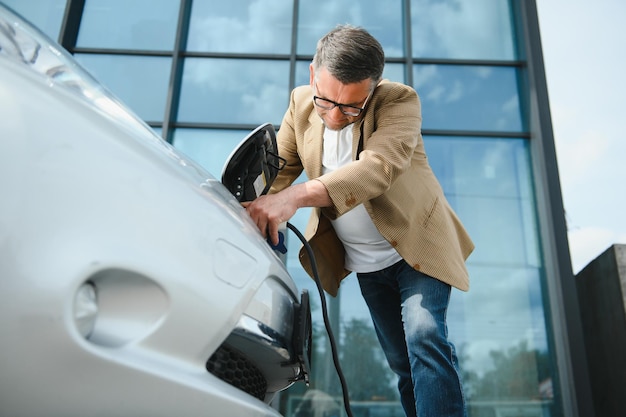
[(203, 73)]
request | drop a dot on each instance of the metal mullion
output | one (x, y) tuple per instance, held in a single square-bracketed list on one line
[(477, 133), (229, 55), (408, 43), (113, 51), (469, 62), (294, 45), (176, 75), (71, 24)]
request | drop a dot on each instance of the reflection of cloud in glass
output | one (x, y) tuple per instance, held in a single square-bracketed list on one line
[(394, 72), (234, 90), (383, 19), (260, 26), (483, 72), (468, 97), (510, 110), (210, 148), (255, 102), (488, 179), (437, 89), (471, 29), (503, 308), (424, 75), (139, 24), (455, 92), (436, 93), (143, 91)]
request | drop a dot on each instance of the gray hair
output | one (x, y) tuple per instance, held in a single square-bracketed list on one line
[(350, 54)]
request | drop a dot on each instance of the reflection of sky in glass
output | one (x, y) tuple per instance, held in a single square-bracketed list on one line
[(240, 26), (209, 148), (481, 167), (44, 14), (393, 72), (462, 29), (488, 181), (123, 24), (139, 81), (234, 91), (464, 97), (302, 72), (381, 18), (503, 308)]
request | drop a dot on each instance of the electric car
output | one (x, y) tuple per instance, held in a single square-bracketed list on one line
[(132, 282)]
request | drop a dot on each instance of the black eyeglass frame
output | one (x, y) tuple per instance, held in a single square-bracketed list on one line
[(341, 106)]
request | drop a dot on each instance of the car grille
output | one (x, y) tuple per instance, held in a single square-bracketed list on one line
[(233, 367)]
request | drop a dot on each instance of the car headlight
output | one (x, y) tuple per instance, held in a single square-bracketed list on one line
[(271, 305)]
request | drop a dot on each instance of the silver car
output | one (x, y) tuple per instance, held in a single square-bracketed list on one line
[(132, 281)]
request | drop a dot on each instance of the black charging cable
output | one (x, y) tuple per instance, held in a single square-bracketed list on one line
[(331, 337)]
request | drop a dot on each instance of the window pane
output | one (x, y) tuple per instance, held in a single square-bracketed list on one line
[(463, 97), (462, 29), (139, 81), (382, 18), (208, 147), (302, 73), (393, 72), (499, 331), (241, 26), (488, 182), (498, 327), (47, 15), (234, 91), (123, 24)]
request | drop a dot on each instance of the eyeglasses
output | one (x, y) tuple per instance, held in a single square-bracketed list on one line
[(346, 109)]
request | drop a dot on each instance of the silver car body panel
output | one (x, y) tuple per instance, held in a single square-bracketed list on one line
[(90, 195)]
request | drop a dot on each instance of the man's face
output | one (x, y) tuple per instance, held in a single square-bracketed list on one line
[(328, 87)]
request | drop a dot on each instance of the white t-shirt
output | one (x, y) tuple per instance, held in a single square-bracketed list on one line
[(366, 249)]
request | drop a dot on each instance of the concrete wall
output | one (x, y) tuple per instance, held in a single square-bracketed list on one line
[(601, 289)]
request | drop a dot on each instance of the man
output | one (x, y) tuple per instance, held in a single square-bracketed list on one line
[(378, 211)]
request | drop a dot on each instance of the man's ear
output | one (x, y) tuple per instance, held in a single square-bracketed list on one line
[(311, 75)]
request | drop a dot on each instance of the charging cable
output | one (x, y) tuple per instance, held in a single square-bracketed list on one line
[(331, 337)]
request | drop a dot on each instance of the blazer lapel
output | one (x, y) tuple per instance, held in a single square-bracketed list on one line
[(314, 143), (357, 139)]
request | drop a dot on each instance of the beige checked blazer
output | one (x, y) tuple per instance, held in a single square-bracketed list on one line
[(391, 177)]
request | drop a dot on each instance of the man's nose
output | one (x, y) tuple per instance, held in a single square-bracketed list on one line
[(336, 113)]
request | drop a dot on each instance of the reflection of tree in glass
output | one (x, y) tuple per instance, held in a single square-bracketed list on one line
[(364, 365), (517, 375), (321, 362), (362, 361)]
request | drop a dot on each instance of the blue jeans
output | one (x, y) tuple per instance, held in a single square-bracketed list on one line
[(409, 313)]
